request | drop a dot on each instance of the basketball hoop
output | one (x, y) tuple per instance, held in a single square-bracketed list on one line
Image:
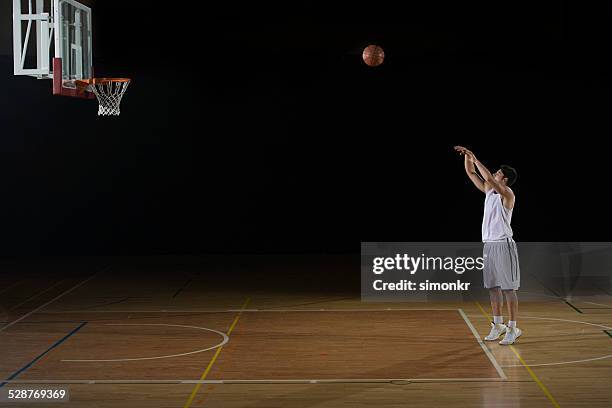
[(108, 91)]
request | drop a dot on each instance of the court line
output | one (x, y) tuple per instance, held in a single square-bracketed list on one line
[(597, 304), (535, 377), (263, 381), (544, 286), (603, 290), (36, 295), (112, 302), (12, 285), (564, 362), (577, 297), (212, 361), (223, 335), (573, 307), (540, 294), (182, 287), (567, 362), (31, 363), (568, 320), (312, 303), (244, 310), (46, 304), (563, 299), (498, 368), (596, 308), (529, 370)]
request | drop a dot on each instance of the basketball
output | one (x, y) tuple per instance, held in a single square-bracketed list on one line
[(373, 55)]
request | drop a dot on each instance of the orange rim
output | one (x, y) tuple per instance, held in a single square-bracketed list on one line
[(84, 83), (106, 80)]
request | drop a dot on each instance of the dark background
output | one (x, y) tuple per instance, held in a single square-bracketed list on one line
[(258, 128)]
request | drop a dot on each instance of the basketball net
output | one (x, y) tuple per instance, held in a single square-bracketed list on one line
[(109, 94), (108, 91)]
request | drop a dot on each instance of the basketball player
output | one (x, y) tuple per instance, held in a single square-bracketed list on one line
[(501, 272)]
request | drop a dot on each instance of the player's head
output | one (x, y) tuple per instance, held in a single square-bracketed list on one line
[(506, 175)]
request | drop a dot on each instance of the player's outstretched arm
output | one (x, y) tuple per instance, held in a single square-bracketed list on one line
[(491, 182), (470, 169)]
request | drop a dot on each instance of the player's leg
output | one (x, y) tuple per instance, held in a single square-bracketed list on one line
[(512, 280), (512, 332), (492, 283), (497, 302), (512, 304), (497, 305)]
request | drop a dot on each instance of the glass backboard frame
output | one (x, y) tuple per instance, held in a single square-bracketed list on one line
[(62, 32)]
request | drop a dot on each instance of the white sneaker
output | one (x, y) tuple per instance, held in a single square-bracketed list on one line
[(496, 331), (512, 334)]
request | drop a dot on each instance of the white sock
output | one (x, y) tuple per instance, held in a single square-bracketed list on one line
[(498, 319), (512, 323)]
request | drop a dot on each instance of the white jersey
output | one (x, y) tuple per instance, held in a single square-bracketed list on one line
[(496, 218)]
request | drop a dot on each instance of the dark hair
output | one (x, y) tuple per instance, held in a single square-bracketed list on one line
[(509, 173)]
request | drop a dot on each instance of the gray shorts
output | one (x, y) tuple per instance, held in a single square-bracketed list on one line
[(501, 265)]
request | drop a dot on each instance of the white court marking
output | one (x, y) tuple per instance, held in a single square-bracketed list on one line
[(241, 310), (260, 381), (564, 362), (35, 296), (25, 316), (567, 320), (346, 310), (223, 342), (566, 298), (11, 286), (498, 368), (226, 339), (598, 304), (541, 294)]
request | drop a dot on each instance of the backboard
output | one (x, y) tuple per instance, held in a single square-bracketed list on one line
[(53, 39)]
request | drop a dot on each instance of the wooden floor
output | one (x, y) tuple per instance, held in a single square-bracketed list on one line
[(253, 334)]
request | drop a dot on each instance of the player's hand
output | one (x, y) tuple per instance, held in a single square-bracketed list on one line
[(464, 151), (460, 149)]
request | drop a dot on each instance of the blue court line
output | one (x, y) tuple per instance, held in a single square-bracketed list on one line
[(31, 363)]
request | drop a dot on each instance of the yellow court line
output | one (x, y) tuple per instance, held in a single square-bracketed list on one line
[(212, 361), (481, 309), (535, 378), (529, 370)]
